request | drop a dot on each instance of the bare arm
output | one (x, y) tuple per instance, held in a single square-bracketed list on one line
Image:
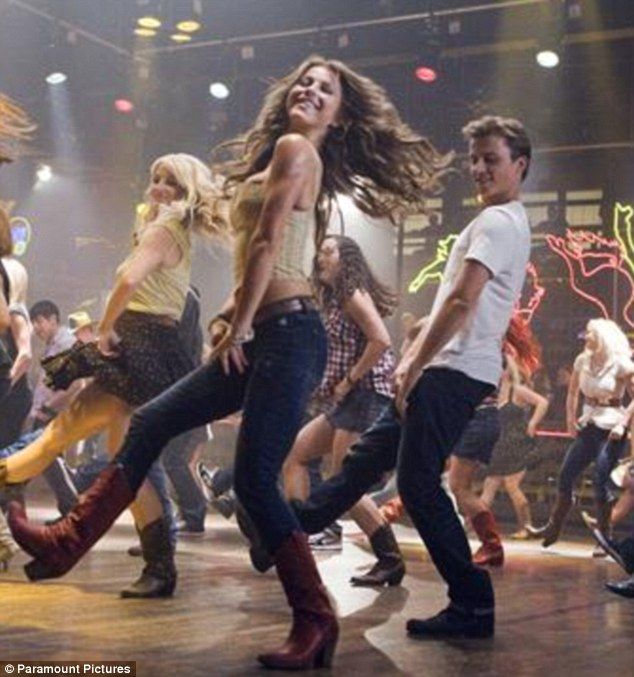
[(450, 318), (156, 248), (5, 320), (527, 396), (21, 331), (361, 309), (294, 165)]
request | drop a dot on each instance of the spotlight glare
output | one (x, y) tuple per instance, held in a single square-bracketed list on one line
[(426, 74), (145, 32), (180, 37), (189, 26), (123, 106), (547, 58), (44, 173), (149, 22), (56, 78), (219, 90)]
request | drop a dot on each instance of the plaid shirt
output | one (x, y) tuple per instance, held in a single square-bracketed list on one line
[(346, 343)]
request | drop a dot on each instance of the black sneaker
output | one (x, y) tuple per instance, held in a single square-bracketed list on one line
[(206, 477), (453, 623), (623, 588)]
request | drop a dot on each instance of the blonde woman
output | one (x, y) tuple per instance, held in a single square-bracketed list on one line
[(601, 373), (139, 350)]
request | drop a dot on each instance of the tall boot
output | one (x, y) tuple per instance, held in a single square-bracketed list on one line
[(491, 552), (550, 531), (313, 637), (158, 578), (603, 510), (389, 568), (57, 548), (8, 547)]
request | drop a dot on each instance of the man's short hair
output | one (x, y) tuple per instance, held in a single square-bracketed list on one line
[(46, 309), (511, 130)]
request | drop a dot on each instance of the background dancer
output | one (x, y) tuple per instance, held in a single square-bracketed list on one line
[(140, 353), (358, 382), (601, 373), (323, 128), (511, 453)]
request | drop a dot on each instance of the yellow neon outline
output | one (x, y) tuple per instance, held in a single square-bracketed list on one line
[(625, 239), (427, 273)]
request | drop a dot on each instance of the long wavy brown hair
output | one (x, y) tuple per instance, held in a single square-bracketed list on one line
[(15, 127), (354, 273), (372, 155)]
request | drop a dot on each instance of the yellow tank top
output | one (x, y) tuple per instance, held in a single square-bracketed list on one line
[(298, 247), (164, 290)]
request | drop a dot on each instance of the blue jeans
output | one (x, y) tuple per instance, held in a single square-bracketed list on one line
[(591, 444), (189, 496), (285, 363), (368, 459), (440, 406)]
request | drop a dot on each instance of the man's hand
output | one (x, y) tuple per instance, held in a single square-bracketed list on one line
[(341, 390)]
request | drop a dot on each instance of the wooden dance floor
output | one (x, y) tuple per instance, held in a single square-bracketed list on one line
[(554, 618)]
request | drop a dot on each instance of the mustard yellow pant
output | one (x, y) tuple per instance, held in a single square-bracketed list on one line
[(92, 411)]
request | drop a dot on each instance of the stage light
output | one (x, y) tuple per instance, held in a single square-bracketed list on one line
[(180, 37), (189, 26), (149, 22), (426, 74), (219, 90), (145, 32), (547, 58), (44, 173), (56, 78), (123, 106)]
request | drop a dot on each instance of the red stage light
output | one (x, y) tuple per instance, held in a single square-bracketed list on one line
[(123, 106), (426, 74)]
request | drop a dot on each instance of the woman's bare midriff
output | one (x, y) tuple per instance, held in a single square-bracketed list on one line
[(280, 289)]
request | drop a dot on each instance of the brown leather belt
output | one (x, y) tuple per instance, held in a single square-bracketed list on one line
[(596, 402), (294, 304)]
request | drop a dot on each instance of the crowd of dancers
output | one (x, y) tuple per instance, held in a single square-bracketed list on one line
[(289, 340)]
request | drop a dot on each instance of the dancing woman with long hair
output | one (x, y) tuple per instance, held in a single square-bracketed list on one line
[(139, 351), (601, 373), (357, 383), (323, 128)]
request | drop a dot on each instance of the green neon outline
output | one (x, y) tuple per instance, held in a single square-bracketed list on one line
[(427, 273)]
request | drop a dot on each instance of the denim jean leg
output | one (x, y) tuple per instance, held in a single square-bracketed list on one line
[(60, 480), (189, 497), (581, 453), (289, 361), (439, 409), (158, 479), (369, 458), (609, 454), (206, 394)]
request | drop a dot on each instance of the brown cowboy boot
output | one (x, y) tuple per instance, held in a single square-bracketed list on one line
[(313, 636), (491, 552), (57, 548)]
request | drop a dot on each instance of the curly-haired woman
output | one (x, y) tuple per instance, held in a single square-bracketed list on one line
[(358, 384), (323, 128)]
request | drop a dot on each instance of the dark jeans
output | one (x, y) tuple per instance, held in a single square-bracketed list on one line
[(440, 406), (286, 360), (591, 444), (189, 496), (369, 458)]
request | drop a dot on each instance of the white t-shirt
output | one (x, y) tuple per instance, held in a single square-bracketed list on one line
[(498, 238), (605, 384)]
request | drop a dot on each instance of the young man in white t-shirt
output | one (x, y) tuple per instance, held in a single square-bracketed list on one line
[(453, 366), (447, 372)]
